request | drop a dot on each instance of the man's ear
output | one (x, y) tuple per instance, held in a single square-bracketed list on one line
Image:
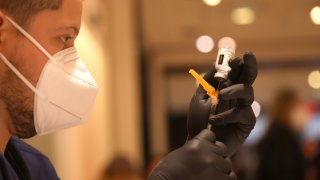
[(2, 27), (6, 28)]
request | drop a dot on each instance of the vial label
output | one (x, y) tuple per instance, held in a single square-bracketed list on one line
[(221, 58)]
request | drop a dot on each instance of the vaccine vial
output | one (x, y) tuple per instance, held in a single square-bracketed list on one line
[(225, 54)]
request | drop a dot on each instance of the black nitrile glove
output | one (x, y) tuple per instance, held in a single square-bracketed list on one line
[(200, 158), (233, 118)]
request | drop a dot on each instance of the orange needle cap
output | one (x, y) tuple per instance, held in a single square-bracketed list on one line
[(206, 86)]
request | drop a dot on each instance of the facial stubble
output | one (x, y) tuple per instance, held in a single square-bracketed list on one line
[(19, 103)]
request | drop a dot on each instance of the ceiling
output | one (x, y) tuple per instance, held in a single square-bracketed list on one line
[(282, 30)]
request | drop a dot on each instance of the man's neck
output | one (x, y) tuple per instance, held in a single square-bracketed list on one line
[(4, 139), (4, 127)]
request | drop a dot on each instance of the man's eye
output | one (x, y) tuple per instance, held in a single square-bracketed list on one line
[(65, 39)]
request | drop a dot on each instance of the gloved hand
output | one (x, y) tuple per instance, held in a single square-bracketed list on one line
[(233, 118), (200, 158)]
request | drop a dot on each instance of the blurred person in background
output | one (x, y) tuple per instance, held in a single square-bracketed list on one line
[(311, 143), (45, 87), (121, 169), (279, 152), (311, 149)]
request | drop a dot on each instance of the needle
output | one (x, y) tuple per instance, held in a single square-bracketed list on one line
[(209, 125)]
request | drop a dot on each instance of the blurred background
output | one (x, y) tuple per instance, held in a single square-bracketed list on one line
[(140, 52)]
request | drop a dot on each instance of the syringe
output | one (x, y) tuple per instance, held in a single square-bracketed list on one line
[(225, 54), (208, 88)]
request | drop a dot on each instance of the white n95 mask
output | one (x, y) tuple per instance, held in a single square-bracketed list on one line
[(68, 92), (65, 91)]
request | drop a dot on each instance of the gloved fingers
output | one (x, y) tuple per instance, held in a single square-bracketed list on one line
[(236, 115), (233, 135), (219, 119), (206, 135), (200, 94), (194, 128), (220, 107), (209, 77), (235, 64), (230, 135), (232, 174), (223, 165), (208, 138), (220, 149), (202, 98), (218, 162), (238, 91), (233, 130), (198, 115), (244, 115), (236, 68), (250, 69), (225, 176), (216, 147), (224, 105)]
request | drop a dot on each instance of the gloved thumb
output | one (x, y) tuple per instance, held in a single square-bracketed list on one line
[(206, 135), (250, 69)]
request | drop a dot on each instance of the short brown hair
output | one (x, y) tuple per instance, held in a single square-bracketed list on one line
[(22, 10)]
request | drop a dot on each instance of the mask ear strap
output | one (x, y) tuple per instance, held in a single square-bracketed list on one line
[(30, 38), (15, 70)]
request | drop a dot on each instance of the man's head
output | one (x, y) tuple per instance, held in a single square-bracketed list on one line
[(55, 25), (289, 108), (282, 103), (22, 10)]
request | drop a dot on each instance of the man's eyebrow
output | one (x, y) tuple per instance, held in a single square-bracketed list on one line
[(75, 29)]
